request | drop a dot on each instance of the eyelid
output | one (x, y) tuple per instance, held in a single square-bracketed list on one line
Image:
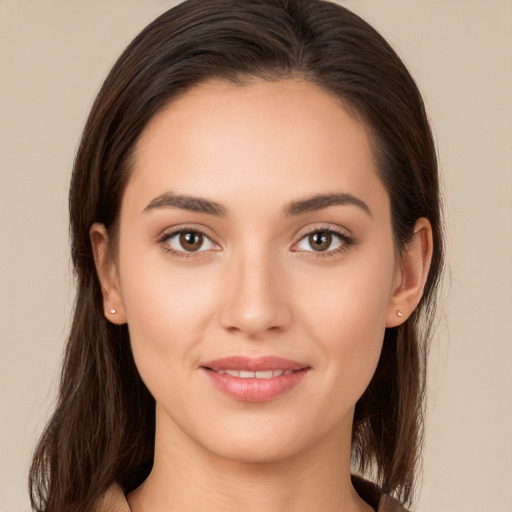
[(169, 233), (347, 240)]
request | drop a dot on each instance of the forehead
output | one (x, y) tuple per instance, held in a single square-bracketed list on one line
[(261, 140)]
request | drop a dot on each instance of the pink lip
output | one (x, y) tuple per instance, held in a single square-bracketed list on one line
[(253, 364), (254, 389)]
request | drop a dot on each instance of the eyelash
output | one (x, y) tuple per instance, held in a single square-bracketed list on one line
[(181, 254), (347, 242)]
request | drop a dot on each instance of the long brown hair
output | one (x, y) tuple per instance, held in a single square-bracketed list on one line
[(102, 430)]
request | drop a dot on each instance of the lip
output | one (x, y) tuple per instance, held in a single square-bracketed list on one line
[(254, 389), (253, 364)]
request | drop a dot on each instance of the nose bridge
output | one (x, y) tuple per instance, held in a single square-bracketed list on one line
[(256, 301)]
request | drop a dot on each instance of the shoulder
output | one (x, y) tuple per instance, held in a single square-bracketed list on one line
[(113, 500), (374, 496)]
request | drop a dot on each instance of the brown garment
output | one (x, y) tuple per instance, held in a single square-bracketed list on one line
[(374, 497), (114, 499)]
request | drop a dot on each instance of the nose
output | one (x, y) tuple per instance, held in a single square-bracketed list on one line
[(256, 301)]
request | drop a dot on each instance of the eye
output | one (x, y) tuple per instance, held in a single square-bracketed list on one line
[(187, 241), (324, 241)]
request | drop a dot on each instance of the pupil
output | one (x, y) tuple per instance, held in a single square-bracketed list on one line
[(191, 241), (320, 241)]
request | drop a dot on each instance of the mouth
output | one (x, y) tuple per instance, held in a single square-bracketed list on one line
[(262, 374), (255, 379)]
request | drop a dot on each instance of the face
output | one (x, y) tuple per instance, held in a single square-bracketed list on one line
[(256, 268)]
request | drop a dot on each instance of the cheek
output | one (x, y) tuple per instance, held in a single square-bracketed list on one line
[(166, 308), (346, 315)]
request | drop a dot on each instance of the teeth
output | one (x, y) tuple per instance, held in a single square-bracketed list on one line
[(265, 374)]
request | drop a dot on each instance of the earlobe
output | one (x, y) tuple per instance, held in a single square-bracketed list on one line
[(413, 273), (107, 275)]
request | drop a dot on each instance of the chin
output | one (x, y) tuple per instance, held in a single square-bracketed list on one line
[(260, 441), (254, 451)]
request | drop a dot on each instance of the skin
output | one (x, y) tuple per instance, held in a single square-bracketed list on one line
[(256, 287)]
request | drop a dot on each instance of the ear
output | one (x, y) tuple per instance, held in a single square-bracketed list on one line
[(107, 274), (411, 274)]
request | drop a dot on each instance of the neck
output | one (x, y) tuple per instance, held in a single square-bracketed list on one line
[(188, 477)]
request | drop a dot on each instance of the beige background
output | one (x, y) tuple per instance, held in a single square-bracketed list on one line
[(53, 56)]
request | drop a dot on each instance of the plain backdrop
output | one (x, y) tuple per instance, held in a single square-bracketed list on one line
[(53, 57)]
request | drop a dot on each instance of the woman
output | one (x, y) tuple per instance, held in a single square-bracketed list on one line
[(256, 234)]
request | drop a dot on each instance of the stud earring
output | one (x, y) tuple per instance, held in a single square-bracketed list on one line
[(399, 314), (113, 311)]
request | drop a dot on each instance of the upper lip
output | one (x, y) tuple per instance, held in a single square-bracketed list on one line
[(253, 364)]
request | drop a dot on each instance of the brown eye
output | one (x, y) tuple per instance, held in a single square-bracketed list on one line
[(320, 241), (323, 241), (188, 240), (191, 240)]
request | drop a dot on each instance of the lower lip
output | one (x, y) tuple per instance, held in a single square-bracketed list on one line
[(255, 390)]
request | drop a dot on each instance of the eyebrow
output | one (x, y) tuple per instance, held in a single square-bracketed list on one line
[(184, 202), (295, 208), (320, 201)]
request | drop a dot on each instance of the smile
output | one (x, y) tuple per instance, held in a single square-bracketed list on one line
[(255, 379), (264, 374)]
